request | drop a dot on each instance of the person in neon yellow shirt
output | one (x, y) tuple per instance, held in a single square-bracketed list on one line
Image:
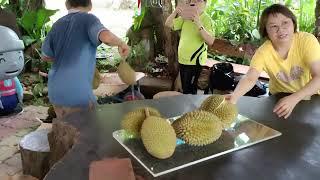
[(291, 59), (196, 34)]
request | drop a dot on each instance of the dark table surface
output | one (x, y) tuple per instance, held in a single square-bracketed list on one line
[(293, 155)]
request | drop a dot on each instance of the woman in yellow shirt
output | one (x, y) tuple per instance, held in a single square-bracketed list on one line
[(291, 59)]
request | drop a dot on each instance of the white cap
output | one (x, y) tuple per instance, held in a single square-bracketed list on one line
[(9, 40)]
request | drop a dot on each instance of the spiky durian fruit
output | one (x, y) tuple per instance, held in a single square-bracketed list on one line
[(198, 128), (224, 110), (158, 137), (211, 103), (132, 121), (126, 73), (227, 113)]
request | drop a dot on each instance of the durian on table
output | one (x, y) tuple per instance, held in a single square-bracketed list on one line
[(224, 110), (158, 136), (132, 121), (198, 128)]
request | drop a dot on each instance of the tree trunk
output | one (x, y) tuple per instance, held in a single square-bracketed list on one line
[(167, 41), (8, 19), (171, 41), (27, 5), (162, 40), (317, 23), (34, 149)]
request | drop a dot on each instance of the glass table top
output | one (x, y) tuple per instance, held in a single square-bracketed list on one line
[(243, 133)]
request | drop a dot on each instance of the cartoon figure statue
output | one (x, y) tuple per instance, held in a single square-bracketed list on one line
[(11, 65)]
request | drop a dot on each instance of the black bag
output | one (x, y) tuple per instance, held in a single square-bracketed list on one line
[(223, 78)]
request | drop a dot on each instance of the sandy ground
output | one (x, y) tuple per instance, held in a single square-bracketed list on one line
[(115, 19)]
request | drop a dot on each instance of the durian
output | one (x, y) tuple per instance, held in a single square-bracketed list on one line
[(227, 113), (198, 128), (158, 137), (224, 110), (132, 121), (126, 73), (211, 103)]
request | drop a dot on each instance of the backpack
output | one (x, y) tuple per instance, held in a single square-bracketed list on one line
[(222, 77)]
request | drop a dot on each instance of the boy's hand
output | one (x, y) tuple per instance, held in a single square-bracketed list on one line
[(124, 50), (196, 19), (178, 9)]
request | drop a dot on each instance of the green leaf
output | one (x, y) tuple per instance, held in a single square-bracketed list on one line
[(27, 40), (43, 17), (255, 33), (27, 21), (3, 2)]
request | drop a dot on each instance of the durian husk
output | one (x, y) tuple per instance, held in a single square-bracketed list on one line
[(158, 137), (126, 73), (132, 121), (198, 128)]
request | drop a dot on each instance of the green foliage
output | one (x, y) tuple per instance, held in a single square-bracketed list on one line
[(305, 12), (238, 21), (34, 23), (109, 59), (138, 57), (138, 18), (3, 3)]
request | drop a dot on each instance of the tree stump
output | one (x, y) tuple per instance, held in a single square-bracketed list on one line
[(35, 150)]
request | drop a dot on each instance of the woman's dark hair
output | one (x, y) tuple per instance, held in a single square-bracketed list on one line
[(79, 3), (275, 9)]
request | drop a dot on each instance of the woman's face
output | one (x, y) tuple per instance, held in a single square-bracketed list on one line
[(280, 28)]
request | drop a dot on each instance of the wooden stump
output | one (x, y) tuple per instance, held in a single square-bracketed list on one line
[(34, 149), (61, 140)]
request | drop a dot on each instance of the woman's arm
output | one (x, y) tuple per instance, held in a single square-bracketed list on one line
[(245, 84), (313, 86), (286, 105)]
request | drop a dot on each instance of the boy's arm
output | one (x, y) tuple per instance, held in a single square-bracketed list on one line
[(46, 58), (47, 50), (169, 21), (111, 39), (205, 33)]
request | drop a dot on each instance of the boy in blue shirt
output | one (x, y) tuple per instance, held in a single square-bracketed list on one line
[(71, 46)]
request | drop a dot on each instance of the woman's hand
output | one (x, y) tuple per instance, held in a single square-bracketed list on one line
[(285, 105), (230, 98)]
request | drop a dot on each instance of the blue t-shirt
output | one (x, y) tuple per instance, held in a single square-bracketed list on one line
[(72, 43)]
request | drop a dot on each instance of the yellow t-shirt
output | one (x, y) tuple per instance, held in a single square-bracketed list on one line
[(291, 74), (192, 47)]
